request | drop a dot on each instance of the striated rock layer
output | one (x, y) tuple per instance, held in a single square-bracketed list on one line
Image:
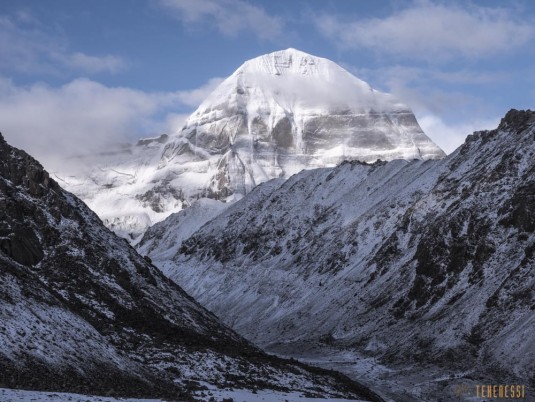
[(287, 111), (276, 115)]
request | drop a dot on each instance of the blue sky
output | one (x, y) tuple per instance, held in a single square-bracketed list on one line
[(75, 75)]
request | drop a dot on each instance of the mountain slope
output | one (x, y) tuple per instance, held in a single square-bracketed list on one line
[(274, 116), (410, 262), (81, 311), (162, 241)]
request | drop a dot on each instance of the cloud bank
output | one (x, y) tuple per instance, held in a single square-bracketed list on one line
[(431, 32), (194, 97), (84, 116)]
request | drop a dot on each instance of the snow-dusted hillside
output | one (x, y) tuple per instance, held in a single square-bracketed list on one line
[(81, 311), (216, 395), (417, 263), (163, 241), (274, 116), (126, 187)]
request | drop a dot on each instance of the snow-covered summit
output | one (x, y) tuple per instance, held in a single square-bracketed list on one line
[(287, 111), (298, 81), (274, 116), (286, 62)]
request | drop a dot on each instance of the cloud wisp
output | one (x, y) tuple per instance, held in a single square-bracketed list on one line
[(84, 116), (432, 32), (445, 110), (25, 47), (230, 17), (450, 136), (194, 97), (93, 64)]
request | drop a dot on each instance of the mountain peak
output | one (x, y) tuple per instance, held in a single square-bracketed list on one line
[(286, 111), (276, 115), (292, 62), (296, 83)]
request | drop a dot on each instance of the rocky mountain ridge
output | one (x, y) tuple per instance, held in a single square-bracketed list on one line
[(81, 311), (409, 262)]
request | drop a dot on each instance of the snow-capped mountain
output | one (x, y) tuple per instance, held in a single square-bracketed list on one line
[(81, 311), (416, 263), (287, 111), (274, 116)]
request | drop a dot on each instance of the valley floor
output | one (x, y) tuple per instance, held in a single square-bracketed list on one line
[(407, 384), (15, 395), (11, 395)]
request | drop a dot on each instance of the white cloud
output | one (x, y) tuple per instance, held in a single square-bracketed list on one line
[(26, 47), (433, 91), (93, 64), (84, 116), (420, 89), (194, 97), (230, 17), (417, 75), (432, 32), (175, 121), (446, 115), (450, 136)]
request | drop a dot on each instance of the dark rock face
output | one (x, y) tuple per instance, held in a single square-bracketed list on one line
[(18, 237), (517, 120), (282, 134), (522, 208), (22, 245), (162, 139), (407, 261), (81, 311)]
